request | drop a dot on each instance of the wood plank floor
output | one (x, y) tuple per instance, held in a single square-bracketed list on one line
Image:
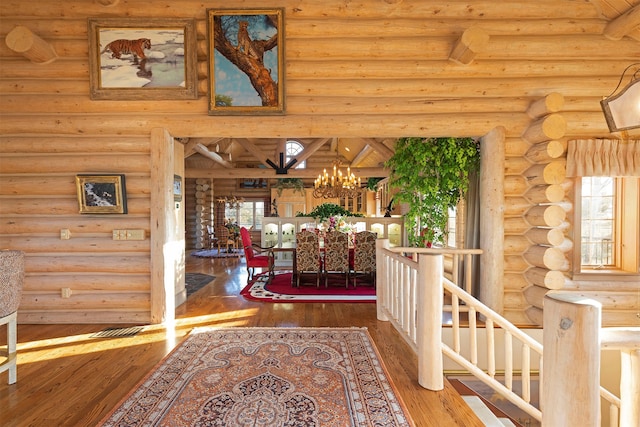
[(66, 377)]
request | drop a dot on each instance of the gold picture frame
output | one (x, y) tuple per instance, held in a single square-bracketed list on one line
[(246, 64), (101, 194), (177, 188), (142, 59)]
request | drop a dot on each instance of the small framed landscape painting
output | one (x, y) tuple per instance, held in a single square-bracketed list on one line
[(177, 188), (135, 59), (246, 64), (101, 194)]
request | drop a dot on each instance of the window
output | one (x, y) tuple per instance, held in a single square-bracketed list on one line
[(293, 148), (607, 225), (247, 214), (598, 220)]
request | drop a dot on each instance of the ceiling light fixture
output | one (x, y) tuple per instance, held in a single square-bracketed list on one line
[(232, 202), (338, 185), (622, 110)]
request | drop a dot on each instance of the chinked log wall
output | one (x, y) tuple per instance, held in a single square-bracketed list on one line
[(534, 215), (366, 69)]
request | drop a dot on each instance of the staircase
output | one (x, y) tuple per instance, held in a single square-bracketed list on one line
[(411, 288), (490, 408)]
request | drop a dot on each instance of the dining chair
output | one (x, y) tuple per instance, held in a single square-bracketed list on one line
[(364, 256), (255, 255), (224, 239), (307, 256), (336, 255), (211, 236)]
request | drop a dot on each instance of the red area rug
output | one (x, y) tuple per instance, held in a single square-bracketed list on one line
[(237, 377), (280, 290)]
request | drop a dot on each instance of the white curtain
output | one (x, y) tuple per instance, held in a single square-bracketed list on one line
[(603, 157)]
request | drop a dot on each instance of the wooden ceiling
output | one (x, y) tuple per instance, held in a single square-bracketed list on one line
[(256, 157), (623, 17)]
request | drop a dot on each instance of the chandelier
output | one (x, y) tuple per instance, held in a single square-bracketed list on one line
[(232, 202), (622, 109), (338, 185)]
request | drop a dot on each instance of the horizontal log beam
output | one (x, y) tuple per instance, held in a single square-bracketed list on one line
[(623, 24), (546, 128), (545, 151), (546, 215), (543, 277), (545, 257), (551, 103), (213, 156), (32, 47), (473, 40), (545, 194), (218, 173)]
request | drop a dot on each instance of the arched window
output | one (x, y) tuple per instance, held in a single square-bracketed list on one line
[(292, 149)]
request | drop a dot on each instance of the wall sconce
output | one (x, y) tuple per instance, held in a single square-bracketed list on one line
[(622, 110)]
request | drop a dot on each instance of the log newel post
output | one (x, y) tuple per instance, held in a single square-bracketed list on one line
[(429, 321), (492, 206), (571, 341), (381, 278), (630, 387)]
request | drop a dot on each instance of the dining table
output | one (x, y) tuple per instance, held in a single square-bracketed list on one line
[(290, 247)]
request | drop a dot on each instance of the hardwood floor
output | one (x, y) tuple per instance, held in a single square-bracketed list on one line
[(66, 377)]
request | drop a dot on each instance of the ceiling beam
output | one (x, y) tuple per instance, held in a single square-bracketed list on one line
[(200, 148), (624, 24), (368, 149), (218, 173), (191, 143), (281, 147), (254, 151), (310, 149), (384, 151)]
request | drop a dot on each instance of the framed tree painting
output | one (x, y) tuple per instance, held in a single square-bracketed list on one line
[(142, 59), (246, 65)]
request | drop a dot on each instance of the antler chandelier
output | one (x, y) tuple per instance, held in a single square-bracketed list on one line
[(336, 185), (232, 202)]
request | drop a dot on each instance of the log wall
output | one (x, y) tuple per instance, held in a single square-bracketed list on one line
[(372, 68)]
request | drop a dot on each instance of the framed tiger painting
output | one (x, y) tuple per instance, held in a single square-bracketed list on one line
[(246, 65), (142, 59)]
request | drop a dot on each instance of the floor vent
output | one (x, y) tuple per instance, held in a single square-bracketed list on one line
[(118, 332)]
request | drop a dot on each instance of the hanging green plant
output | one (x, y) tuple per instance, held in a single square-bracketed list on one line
[(295, 183), (431, 175), (326, 210), (372, 183)]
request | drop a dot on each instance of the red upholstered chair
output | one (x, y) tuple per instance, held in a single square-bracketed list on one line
[(255, 255)]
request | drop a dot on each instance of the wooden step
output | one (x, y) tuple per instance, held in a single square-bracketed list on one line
[(465, 391)]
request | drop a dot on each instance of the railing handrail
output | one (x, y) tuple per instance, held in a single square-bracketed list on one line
[(435, 251), (470, 300), (399, 318)]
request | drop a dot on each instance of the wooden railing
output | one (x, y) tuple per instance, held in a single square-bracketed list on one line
[(411, 284)]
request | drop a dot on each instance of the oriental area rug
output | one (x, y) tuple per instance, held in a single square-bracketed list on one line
[(236, 377), (196, 281), (213, 253), (279, 289)]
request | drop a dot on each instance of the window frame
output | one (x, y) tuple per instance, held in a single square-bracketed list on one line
[(291, 142), (627, 218), (257, 225)]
